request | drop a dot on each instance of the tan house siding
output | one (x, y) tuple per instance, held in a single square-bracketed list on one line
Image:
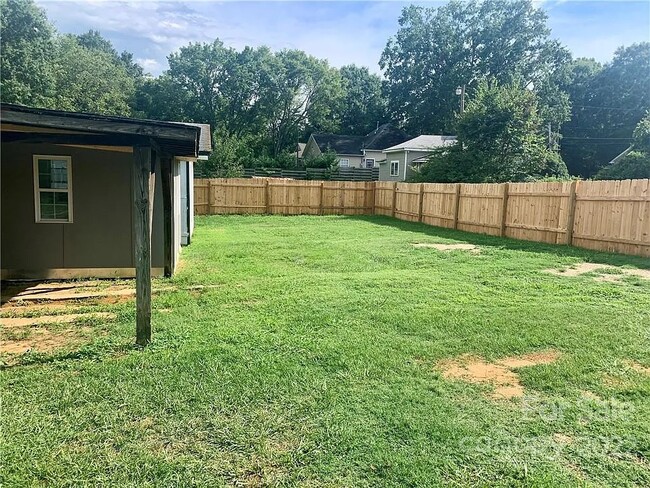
[(354, 160), (402, 156), (100, 235), (377, 155)]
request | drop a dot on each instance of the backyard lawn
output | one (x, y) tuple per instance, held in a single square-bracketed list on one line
[(332, 351)]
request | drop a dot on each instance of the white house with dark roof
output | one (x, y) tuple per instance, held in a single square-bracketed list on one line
[(399, 160), (356, 151)]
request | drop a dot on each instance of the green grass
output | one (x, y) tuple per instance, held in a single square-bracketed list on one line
[(313, 363)]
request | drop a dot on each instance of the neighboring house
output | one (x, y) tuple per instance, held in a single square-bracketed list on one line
[(400, 159), (297, 154), (621, 155), (356, 151), (75, 193)]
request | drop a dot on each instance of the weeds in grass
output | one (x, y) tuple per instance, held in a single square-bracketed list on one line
[(309, 360)]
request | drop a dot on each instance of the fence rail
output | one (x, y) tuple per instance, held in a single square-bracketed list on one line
[(601, 215), (339, 174)]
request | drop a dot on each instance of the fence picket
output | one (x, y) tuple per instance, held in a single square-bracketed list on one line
[(600, 215)]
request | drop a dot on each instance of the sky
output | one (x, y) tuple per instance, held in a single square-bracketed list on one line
[(341, 32)]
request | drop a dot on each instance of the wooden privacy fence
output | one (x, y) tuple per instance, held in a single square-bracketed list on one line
[(600, 215)]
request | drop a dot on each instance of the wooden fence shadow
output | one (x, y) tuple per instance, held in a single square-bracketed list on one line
[(486, 240)]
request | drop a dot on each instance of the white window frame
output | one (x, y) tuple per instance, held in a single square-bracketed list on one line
[(396, 172), (38, 189), (366, 163), (347, 163)]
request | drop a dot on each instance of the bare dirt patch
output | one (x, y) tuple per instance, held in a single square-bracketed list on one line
[(562, 438), (44, 340), (10, 322), (103, 292), (639, 368), (501, 374), (603, 272), (448, 247)]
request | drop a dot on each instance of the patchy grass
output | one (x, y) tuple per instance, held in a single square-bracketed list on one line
[(312, 360)]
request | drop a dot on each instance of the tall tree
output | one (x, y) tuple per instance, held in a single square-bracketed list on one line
[(89, 81), (201, 69), (607, 104), (94, 41), (271, 99), (307, 93), (500, 138), (634, 164), (162, 99), (27, 48), (437, 49), (363, 105)]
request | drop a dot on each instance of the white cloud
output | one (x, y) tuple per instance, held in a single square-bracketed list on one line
[(149, 65), (341, 32)]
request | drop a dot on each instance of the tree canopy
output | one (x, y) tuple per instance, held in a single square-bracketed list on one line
[(607, 104), (634, 164), (463, 43), (260, 103), (43, 69), (499, 139)]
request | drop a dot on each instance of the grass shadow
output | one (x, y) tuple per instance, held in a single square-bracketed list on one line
[(89, 352), (11, 289), (559, 250)]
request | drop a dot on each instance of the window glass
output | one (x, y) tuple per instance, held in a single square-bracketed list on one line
[(394, 168), (52, 174), (344, 163), (52, 192)]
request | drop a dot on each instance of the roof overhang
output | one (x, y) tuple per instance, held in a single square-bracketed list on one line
[(36, 125)]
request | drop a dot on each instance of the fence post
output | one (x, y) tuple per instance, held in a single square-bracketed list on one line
[(420, 202), (209, 212), (373, 195), (320, 201), (504, 209), (456, 205), (392, 213), (341, 197), (571, 212), (266, 196)]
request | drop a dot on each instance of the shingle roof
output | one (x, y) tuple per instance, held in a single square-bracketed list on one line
[(384, 136), (205, 139), (339, 144), (423, 143)]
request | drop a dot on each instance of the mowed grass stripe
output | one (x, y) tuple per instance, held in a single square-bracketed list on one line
[(316, 363)]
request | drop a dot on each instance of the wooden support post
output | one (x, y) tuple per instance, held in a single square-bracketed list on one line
[(420, 202), (155, 163), (342, 197), (571, 212), (373, 196), (320, 201), (143, 181), (504, 209), (392, 212), (456, 205), (267, 204), (168, 210)]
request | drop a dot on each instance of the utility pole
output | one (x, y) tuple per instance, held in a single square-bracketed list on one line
[(461, 91)]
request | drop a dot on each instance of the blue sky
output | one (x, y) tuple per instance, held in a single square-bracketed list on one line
[(342, 32)]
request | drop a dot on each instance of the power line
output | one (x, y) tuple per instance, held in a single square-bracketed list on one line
[(600, 138), (607, 108)]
